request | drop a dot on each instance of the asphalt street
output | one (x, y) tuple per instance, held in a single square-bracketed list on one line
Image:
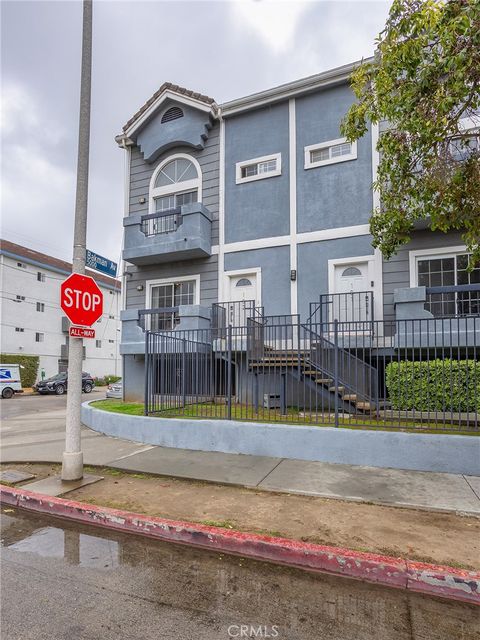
[(63, 581)]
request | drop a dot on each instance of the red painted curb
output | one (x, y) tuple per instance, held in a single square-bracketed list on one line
[(447, 582)]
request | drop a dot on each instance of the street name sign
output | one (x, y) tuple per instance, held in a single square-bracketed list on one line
[(81, 332), (81, 300), (99, 263)]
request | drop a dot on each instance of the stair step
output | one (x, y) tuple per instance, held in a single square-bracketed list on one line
[(350, 397), (365, 406), (339, 389), (323, 380)]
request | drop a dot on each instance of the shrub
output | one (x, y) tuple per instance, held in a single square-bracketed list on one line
[(28, 366), (435, 385), (101, 382)]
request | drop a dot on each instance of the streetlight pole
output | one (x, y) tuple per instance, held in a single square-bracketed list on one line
[(72, 461)]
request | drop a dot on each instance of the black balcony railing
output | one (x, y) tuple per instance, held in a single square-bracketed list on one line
[(453, 301), (155, 224)]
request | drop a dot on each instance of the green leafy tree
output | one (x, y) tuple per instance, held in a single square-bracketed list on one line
[(423, 89)]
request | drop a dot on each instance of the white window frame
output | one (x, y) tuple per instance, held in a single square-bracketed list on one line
[(173, 280), (261, 176), (323, 145), (437, 252), (39, 336), (179, 187)]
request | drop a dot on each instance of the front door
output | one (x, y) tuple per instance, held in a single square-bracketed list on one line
[(243, 296), (352, 301)]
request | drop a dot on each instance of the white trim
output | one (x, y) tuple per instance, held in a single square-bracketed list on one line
[(374, 275), (309, 236), (126, 212), (196, 104), (187, 185), (172, 280), (292, 159), (257, 271), (260, 176), (325, 145), (221, 211), (444, 252), (375, 163)]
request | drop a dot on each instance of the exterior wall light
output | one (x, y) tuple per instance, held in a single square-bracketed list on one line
[(140, 287)]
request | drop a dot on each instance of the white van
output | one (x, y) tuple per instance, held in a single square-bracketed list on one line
[(10, 380)]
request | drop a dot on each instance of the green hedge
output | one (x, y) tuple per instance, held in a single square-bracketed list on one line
[(106, 380), (436, 385), (28, 374)]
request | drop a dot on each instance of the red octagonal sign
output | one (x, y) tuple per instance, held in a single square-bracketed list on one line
[(81, 299)]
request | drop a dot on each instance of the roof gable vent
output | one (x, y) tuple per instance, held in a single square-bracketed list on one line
[(172, 114)]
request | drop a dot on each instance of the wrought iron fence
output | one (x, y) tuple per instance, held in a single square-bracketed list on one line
[(405, 374), (352, 306), (159, 319)]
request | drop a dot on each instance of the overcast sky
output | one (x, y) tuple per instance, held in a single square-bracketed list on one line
[(222, 49)]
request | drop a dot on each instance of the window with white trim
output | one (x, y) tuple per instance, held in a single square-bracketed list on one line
[(41, 306), (329, 152), (40, 276), (177, 182), (447, 270), (98, 344), (258, 168), (39, 337), (169, 296)]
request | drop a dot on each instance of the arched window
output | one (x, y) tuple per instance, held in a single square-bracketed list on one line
[(176, 181), (244, 282), (172, 114), (351, 271)]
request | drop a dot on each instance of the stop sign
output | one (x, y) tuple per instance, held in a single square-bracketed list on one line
[(81, 299)]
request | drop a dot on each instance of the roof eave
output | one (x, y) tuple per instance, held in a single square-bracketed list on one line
[(290, 90)]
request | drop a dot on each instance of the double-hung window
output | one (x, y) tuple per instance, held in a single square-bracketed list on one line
[(258, 168), (330, 152), (167, 297), (449, 270)]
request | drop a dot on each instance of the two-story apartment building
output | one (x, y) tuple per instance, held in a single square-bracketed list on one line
[(32, 322), (261, 199)]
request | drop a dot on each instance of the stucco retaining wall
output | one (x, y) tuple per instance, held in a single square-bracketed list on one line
[(420, 452)]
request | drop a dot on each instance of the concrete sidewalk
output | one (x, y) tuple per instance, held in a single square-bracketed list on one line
[(38, 436)]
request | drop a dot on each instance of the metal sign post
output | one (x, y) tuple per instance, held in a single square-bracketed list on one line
[(72, 461)]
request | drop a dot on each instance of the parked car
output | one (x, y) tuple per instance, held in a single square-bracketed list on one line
[(58, 384), (10, 380), (115, 390)]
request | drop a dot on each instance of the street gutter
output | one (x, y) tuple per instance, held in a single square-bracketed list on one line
[(429, 579)]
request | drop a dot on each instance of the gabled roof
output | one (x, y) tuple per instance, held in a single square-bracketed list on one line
[(11, 249), (173, 88)]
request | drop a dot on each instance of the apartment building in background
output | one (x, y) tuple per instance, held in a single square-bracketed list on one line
[(261, 199), (32, 322)]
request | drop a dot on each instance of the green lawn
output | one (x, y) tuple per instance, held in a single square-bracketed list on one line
[(293, 416)]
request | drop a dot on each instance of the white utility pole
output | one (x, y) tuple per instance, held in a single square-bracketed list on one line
[(72, 462)]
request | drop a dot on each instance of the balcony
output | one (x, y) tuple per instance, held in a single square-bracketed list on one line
[(184, 233)]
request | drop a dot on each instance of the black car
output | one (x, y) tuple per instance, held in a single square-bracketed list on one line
[(58, 384)]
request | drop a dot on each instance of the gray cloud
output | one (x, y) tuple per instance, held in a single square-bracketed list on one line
[(219, 48)]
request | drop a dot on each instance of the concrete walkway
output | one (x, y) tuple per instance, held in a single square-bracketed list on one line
[(33, 431)]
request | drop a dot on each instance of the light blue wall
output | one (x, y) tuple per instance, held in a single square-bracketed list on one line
[(336, 195), (260, 208), (192, 130), (312, 264), (275, 265)]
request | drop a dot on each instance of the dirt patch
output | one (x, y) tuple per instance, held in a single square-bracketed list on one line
[(441, 538)]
